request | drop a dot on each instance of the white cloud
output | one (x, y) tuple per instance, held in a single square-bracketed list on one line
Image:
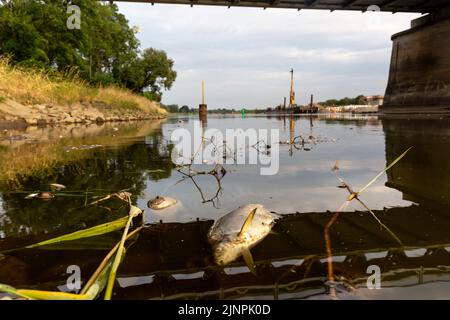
[(244, 54)]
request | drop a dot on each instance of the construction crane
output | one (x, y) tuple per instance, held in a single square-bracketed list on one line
[(292, 93)]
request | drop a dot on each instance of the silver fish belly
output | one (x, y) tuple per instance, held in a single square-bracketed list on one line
[(227, 237)]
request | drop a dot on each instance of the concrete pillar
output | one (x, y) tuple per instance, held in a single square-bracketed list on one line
[(419, 76)]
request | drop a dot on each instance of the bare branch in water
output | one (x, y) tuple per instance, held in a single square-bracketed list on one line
[(218, 173)]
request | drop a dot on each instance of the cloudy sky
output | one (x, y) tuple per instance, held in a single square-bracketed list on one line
[(245, 54)]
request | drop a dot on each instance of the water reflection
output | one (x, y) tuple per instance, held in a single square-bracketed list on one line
[(424, 176), (412, 200), (117, 165)]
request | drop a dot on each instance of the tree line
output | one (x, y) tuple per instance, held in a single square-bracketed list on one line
[(103, 51), (359, 100)]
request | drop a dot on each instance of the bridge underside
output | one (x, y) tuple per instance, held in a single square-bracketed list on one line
[(421, 6)]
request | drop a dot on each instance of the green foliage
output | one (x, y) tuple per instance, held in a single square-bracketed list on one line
[(152, 71), (184, 109), (152, 96), (90, 232), (103, 51), (359, 100), (172, 108)]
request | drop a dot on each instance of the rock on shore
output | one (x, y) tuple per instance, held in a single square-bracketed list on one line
[(14, 114)]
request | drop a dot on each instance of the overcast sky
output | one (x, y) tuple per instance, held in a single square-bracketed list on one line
[(245, 54)]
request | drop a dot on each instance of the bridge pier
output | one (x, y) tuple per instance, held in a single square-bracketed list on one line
[(419, 76)]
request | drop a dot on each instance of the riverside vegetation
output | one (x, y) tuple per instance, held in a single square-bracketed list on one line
[(98, 72), (33, 96)]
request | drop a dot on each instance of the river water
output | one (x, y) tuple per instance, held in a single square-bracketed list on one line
[(171, 258)]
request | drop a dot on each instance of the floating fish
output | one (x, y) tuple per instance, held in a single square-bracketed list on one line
[(57, 186), (160, 202), (40, 195), (234, 234), (46, 195), (32, 196)]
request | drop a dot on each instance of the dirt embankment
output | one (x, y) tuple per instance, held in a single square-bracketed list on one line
[(14, 114), (35, 97)]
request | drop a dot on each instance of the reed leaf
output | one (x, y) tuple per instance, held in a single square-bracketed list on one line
[(134, 212), (42, 295), (386, 169), (89, 292), (381, 223), (86, 233), (106, 261), (13, 291)]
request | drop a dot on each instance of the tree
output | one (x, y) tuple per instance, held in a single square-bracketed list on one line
[(184, 109), (359, 100), (104, 50), (172, 108), (152, 71)]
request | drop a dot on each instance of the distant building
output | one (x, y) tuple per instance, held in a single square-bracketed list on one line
[(374, 100)]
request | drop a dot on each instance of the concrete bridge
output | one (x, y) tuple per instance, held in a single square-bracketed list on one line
[(419, 77), (420, 6)]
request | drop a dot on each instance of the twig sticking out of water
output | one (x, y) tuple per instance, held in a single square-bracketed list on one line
[(218, 173), (352, 196), (122, 195)]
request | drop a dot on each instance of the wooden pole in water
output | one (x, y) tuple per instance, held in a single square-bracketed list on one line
[(203, 92), (202, 108)]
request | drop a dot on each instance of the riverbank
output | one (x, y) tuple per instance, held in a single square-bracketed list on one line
[(30, 98)]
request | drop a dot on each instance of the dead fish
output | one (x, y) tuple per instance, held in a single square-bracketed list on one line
[(32, 196), (57, 186), (46, 195), (160, 202), (234, 234), (40, 195)]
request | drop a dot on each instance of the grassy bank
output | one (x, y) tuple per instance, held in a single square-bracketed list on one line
[(34, 87)]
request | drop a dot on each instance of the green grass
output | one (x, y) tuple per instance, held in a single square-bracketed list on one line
[(30, 87)]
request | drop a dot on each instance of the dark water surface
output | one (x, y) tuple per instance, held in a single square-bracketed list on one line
[(171, 258)]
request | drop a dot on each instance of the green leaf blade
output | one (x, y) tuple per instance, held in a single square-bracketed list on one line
[(386, 169)]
